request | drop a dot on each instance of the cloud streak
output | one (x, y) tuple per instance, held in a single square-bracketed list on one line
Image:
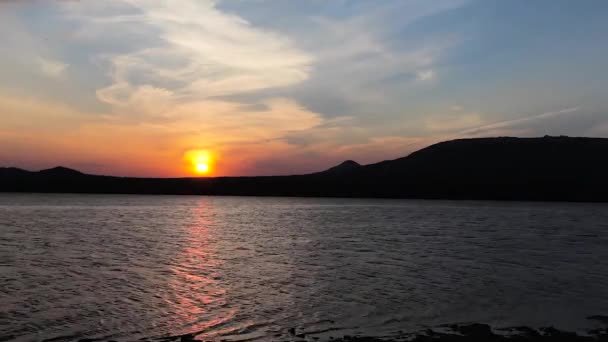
[(486, 129)]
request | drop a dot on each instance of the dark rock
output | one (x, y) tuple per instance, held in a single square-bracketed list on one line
[(188, 338), (526, 331), (599, 318), (476, 330)]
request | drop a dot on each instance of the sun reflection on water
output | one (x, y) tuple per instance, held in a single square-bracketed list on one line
[(196, 293)]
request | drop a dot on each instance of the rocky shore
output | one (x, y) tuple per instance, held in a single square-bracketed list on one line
[(473, 332), (484, 333)]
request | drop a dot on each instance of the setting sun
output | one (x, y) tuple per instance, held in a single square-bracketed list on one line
[(202, 167), (201, 162)]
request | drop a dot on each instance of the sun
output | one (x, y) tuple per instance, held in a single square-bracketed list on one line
[(200, 162), (202, 168)]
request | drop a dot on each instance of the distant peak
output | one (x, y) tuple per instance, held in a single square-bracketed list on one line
[(12, 171), (60, 170), (11, 168), (346, 166), (350, 163)]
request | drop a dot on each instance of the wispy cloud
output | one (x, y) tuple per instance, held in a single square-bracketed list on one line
[(361, 65), (201, 52), (51, 68), (452, 122), (425, 75), (486, 129)]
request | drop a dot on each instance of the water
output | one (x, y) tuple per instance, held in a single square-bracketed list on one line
[(129, 267)]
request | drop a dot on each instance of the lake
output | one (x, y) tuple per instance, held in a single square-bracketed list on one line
[(246, 268)]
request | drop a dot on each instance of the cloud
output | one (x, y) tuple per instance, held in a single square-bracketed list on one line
[(505, 126), (361, 59), (425, 75), (452, 123), (165, 91), (357, 50), (51, 68), (185, 75), (201, 52)]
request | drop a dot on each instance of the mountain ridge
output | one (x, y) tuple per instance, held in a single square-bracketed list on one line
[(502, 168), (346, 166)]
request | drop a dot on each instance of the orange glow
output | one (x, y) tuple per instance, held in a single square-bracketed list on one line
[(202, 168), (200, 162)]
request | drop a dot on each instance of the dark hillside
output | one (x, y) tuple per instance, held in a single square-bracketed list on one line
[(549, 168)]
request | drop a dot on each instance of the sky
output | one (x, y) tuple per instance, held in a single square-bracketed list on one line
[(271, 87)]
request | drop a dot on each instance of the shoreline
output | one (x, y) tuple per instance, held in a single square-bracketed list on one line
[(461, 332), (477, 332), (430, 199)]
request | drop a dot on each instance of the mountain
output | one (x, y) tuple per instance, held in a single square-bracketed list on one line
[(345, 167), (12, 172), (500, 168), (60, 171), (549, 168)]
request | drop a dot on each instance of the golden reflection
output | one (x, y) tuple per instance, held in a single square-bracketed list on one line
[(197, 297)]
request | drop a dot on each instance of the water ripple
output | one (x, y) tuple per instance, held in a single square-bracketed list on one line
[(241, 269)]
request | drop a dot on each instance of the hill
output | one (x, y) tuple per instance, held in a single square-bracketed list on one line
[(549, 168), (345, 167)]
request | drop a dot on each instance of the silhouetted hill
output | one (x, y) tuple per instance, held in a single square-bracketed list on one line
[(549, 168), (348, 166), (60, 171), (11, 171)]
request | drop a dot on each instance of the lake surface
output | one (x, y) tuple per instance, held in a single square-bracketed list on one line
[(234, 268)]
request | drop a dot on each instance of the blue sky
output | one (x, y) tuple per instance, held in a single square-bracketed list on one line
[(280, 87)]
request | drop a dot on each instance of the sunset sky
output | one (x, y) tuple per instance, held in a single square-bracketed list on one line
[(260, 87)]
